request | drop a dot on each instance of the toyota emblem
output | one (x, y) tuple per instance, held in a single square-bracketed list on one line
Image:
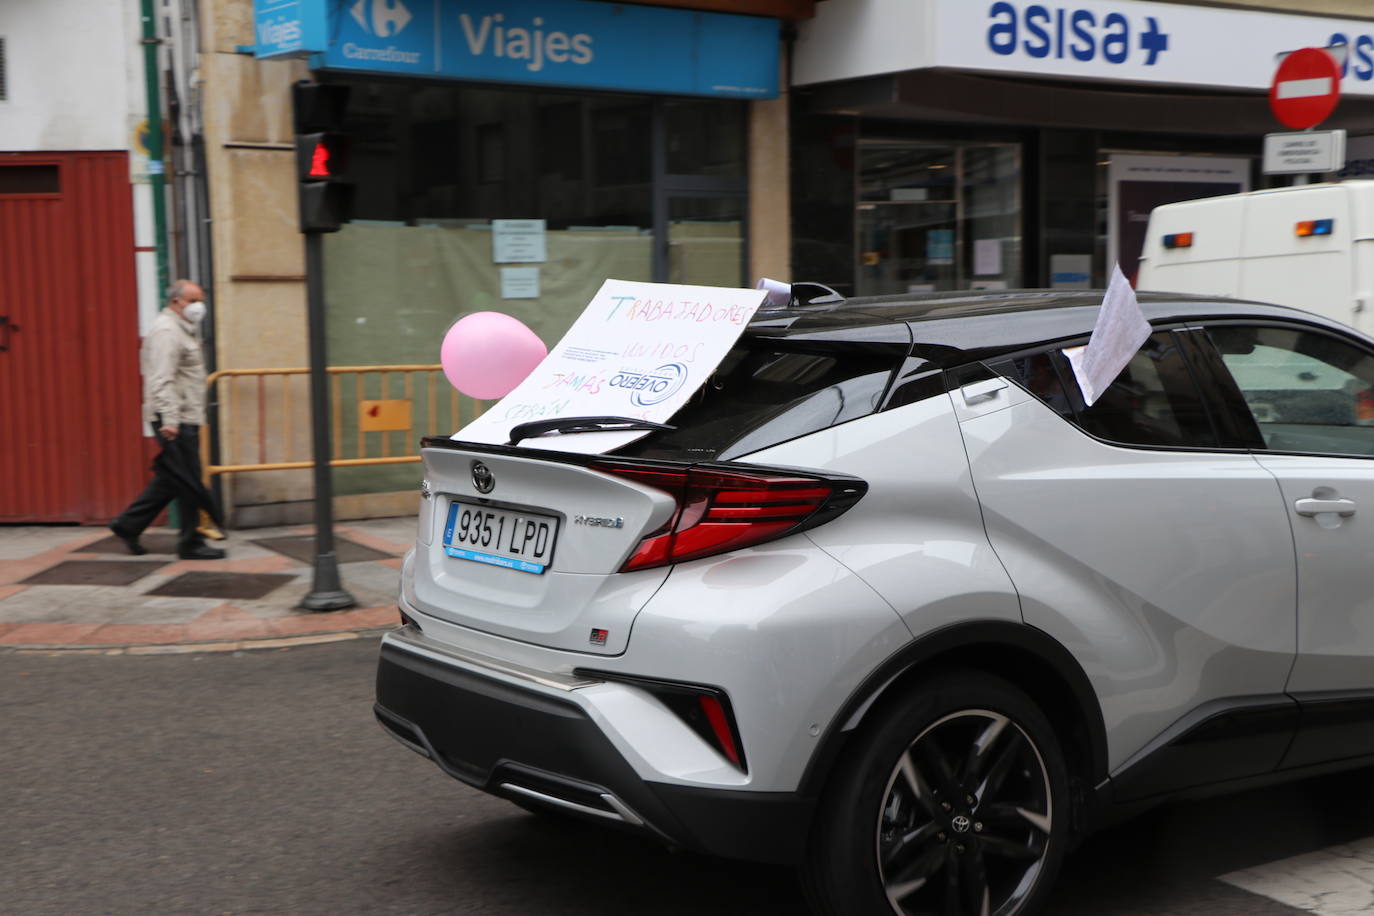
[(961, 823), (482, 477)]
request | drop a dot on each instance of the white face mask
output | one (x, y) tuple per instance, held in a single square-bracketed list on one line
[(194, 312)]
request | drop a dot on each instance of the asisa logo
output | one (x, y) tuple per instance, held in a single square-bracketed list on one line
[(383, 18), (490, 35), (1039, 30)]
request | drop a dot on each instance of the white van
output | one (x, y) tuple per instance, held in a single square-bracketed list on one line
[(1310, 246)]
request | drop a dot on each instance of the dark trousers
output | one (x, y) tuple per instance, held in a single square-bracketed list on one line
[(184, 452)]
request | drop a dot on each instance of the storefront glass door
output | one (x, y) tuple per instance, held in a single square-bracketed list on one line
[(937, 217), (706, 240)]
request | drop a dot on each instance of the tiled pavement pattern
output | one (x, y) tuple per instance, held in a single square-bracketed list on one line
[(77, 587)]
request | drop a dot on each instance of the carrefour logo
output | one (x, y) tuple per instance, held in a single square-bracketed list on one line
[(383, 18), (1042, 30)]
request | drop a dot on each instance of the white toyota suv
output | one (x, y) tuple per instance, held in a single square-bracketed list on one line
[(887, 601)]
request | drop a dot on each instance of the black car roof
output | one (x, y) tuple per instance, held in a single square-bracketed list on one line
[(955, 327)]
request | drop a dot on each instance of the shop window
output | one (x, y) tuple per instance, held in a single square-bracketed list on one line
[(905, 173), (704, 140), (705, 240), (560, 140), (937, 217), (623, 144), (491, 153)]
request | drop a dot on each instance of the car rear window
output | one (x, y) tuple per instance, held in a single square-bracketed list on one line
[(768, 391)]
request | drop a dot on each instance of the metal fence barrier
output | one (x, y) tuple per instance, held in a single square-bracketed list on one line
[(264, 416)]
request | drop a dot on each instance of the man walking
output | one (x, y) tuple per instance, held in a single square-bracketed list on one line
[(174, 407)]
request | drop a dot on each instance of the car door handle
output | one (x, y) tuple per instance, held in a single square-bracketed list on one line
[(1310, 507), (986, 390)]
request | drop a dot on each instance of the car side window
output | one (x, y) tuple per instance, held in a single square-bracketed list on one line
[(1307, 391), (1153, 402)]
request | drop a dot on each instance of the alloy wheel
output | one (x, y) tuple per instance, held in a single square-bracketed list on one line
[(966, 819)]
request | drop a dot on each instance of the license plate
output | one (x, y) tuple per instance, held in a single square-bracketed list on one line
[(500, 537)]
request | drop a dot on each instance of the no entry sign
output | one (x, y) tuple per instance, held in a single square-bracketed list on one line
[(1306, 87)]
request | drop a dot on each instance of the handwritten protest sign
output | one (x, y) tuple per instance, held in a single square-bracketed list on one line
[(639, 350)]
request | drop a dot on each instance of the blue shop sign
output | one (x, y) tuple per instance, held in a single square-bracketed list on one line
[(582, 43), (289, 28)]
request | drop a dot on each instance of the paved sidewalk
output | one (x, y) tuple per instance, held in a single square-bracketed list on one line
[(75, 587)]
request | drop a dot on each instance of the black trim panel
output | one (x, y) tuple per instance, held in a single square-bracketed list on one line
[(1332, 729), (485, 733), (1244, 740)]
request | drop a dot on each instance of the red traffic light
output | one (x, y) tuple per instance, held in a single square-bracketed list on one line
[(319, 162), (322, 157)]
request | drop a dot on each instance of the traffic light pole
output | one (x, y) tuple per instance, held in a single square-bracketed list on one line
[(327, 593)]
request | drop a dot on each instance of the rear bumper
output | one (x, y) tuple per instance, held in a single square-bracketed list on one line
[(534, 740)]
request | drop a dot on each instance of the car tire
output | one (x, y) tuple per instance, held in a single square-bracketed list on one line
[(958, 789)]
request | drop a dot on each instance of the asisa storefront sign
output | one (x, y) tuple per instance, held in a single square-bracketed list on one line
[(1127, 40), (583, 43)]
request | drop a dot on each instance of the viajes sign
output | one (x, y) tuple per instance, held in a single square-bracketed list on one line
[(553, 42), (288, 28)]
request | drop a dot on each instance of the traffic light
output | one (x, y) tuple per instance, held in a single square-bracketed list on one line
[(322, 155)]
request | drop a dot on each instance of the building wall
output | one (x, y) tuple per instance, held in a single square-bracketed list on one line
[(770, 212), (259, 261), (54, 105)]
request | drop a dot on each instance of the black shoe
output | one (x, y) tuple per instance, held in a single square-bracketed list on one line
[(201, 552), (130, 541)]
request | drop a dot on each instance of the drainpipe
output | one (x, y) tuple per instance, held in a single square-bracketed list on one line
[(156, 167)]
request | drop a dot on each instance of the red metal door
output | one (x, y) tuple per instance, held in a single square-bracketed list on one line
[(70, 444)]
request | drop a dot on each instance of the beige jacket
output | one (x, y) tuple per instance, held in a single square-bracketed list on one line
[(173, 372)]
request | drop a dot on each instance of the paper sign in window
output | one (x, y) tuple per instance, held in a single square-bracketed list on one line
[(519, 282)]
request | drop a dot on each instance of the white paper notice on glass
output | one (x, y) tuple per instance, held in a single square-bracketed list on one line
[(987, 257), (639, 350), (518, 241), (1120, 332), (519, 282)]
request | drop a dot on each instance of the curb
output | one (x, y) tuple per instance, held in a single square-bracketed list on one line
[(188, 648)]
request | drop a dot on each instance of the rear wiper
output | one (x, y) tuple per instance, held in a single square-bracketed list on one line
[(537, 428)]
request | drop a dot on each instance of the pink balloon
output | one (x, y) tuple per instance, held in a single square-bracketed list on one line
[(486, 354)]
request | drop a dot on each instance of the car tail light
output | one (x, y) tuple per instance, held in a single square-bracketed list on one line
[(720, 510)]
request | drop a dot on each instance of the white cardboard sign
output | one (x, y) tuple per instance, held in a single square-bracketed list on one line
[(639, 350)]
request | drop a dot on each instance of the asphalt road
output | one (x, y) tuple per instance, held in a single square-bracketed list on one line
[(258, 782)]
